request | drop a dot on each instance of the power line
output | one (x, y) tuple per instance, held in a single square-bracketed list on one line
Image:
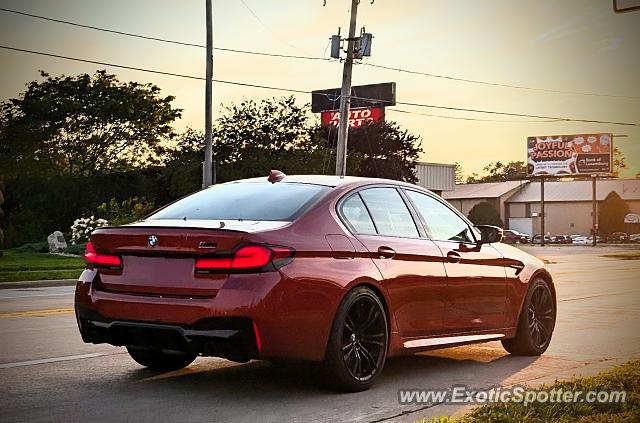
[(494, 84), (220, 81), (475, 119), (371, 100), (492, 112), (302, 57), (267, 27), (164, 40)]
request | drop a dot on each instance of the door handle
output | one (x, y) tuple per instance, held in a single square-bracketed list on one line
[(386, 252), (453, 257)]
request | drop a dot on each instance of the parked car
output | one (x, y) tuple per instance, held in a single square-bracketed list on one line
[(562, 239), (341, 271), (537, 239), (634, 237), (617, 237), (581, 240), (511, 236)]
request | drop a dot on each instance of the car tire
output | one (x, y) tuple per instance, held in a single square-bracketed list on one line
[(161, 359), (358, 342), (536, 323)]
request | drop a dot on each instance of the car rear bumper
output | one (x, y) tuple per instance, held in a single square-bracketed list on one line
[(234, 338), (262, 316)]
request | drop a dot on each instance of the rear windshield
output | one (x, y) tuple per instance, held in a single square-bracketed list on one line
[(244, 201)]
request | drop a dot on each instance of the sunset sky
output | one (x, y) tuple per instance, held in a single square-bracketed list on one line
[(569, 46)]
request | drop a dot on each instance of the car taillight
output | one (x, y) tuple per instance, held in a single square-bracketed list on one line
[(105, 261), (248, 258)]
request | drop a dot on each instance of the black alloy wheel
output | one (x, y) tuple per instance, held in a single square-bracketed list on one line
[(536, 323), (358, 342), (541, 316), (363, 338)]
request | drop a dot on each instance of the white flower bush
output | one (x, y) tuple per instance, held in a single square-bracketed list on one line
[(82, 228)]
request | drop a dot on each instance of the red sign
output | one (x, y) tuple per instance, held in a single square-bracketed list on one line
[(357, 117)]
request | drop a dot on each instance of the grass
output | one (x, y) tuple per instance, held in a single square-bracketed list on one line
[(32, 266), (625, 377), (632, 255)]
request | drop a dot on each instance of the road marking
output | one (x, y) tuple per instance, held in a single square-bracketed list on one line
[(51, 360), (604, 294), (36, 313)]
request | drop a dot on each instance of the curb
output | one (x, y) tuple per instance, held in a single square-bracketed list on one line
[(38, 284)]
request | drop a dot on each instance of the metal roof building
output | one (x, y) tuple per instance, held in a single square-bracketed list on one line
[(437, 177), (568, 203), (628, 189)]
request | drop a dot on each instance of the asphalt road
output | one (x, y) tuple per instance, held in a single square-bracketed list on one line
[(48, 374)]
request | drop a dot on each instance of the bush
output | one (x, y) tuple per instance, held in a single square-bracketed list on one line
[(611, 215), (37, 206), (128, 211), (76, 249), (83, 227), (485, 214), (33, 247)]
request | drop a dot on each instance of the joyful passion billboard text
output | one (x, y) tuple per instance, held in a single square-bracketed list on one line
[(583, 154)]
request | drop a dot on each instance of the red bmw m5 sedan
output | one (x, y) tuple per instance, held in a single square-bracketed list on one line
[(341, 271)]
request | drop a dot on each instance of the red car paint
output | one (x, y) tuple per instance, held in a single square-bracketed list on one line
[(435, 293)]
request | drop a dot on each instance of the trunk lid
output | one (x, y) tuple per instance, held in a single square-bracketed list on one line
[(158, 257)]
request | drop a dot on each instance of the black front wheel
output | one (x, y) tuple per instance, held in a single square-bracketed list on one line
[(537, 321), (161, 359), (357, 346)]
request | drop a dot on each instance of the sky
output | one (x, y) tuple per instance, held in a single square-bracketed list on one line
[(571, 46)]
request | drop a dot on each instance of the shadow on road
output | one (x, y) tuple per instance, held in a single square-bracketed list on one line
[(437, 369)]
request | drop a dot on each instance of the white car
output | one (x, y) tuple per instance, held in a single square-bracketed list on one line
[(581, 240), (634, 237)]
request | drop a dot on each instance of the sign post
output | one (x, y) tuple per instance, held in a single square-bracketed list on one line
[(542, 210), (594, 212)]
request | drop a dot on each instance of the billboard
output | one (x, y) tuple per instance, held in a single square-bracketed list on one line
[(582, 154), (357, 117), (372, 95)]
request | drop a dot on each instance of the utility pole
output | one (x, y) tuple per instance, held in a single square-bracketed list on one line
[(345, 96), (594, 211), (542, 210), (208, 150)]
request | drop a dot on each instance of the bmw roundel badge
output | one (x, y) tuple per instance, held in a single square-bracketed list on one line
[(153, 241)]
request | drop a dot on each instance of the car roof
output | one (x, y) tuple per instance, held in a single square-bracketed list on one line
[(329, 180)]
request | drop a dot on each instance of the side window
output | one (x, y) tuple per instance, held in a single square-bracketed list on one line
[(389, 212), (442, 223), (357, 216)]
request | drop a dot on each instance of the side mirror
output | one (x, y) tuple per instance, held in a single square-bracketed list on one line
[(489, 234)]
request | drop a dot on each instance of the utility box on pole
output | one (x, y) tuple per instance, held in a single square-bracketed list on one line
[(336, 45), (363, 46)]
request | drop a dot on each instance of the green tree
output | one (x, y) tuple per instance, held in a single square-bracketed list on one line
[(611, 214), (619, 162), (460, 179), (485, 213), (251, 138), (84, 125), (385, 150), (2, 192), (500, 172)]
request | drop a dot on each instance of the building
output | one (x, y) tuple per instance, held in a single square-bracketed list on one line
[(568, 203), (437, 177), (465, 196)]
